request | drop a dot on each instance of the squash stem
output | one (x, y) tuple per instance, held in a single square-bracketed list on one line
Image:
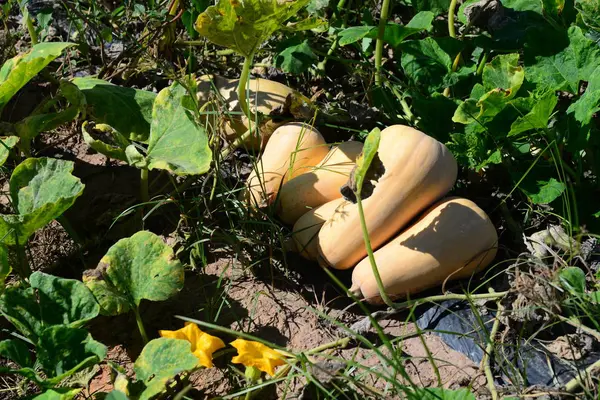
[(241, 90), (385, 8), (140, 324), (144, 191), (236, 143), (363, 225), (31, 29), (452, 33)]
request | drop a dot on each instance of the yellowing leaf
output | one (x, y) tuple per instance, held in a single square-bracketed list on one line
[(255, 354), (203, 344)]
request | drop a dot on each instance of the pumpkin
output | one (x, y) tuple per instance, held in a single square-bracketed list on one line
[(452, 240), (319, 186), (293, 149), (264, 96), (415, 171), (307, 227)]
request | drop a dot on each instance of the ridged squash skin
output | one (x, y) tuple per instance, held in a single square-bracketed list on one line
[(293, 149), (319, 186), (264, 96), (306, 229), (419, 170), (452, 240)]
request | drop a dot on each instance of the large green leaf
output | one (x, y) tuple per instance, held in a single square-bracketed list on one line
[(16, 351), (49, 301), (296, 59), (543, 191), (62, 351), (177, 142), (63, 301), (538, 117), (244, 25), (127, 110), (160, 361), (425, 62), (565, 69), (16, 72), (589, 103), (135, 268), (41, 190), (6, 144)]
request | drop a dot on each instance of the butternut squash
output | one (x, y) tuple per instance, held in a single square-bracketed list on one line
[(418, 170), (294, 148), (264, 96), (307, 227), (319, 186), (452, 240)]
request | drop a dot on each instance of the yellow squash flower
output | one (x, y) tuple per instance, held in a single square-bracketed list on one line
[(203, 344), (255, 354)]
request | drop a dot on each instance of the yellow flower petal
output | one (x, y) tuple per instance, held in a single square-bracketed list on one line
[(203, 344), (255, 354)]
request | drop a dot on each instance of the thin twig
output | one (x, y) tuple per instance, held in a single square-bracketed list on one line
[(489, 350)]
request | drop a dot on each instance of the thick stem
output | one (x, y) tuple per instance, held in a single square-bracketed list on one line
[(365, 231), (236, 143), (241, 90), (144, 191), (31, 30), (576, 382), (489, 349), (385, 8), (451, 12), (140, 324)]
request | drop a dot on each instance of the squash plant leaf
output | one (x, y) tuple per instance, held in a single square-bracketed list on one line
[(41, 189), (573, 279), (363, 162), (160, 361), (127, 110), (58, 394), (19, 70), (49, 301), (296, 59), (6, 144), (116, 395), (565, 69), (502, 79), (178, 143), (135, 268), (16, 351), (543, 191), (244, 25), (441, 393), (538, 117), (117, 143), (589, 103), (62, 351), (5, 267)]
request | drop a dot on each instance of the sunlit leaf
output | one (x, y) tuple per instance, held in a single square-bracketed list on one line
[(573, 279), (363, 162), (160, 361), (538, 117), (16, 72), (589, 103), (135, 268), (7, 143), (244, 25)]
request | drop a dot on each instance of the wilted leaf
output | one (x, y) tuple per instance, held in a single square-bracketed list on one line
[(363, 162), (6, 144), (177, 142), (41, 190), (161, 360), (117, 142), (244, 25), (16, 72), (127, 110), (62, 351), (135, 268)]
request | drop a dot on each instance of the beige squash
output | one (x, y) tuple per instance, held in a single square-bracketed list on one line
[(452, 240), (293, 149), (264, 96), (306, 229), (419, 170), (319, 186)]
